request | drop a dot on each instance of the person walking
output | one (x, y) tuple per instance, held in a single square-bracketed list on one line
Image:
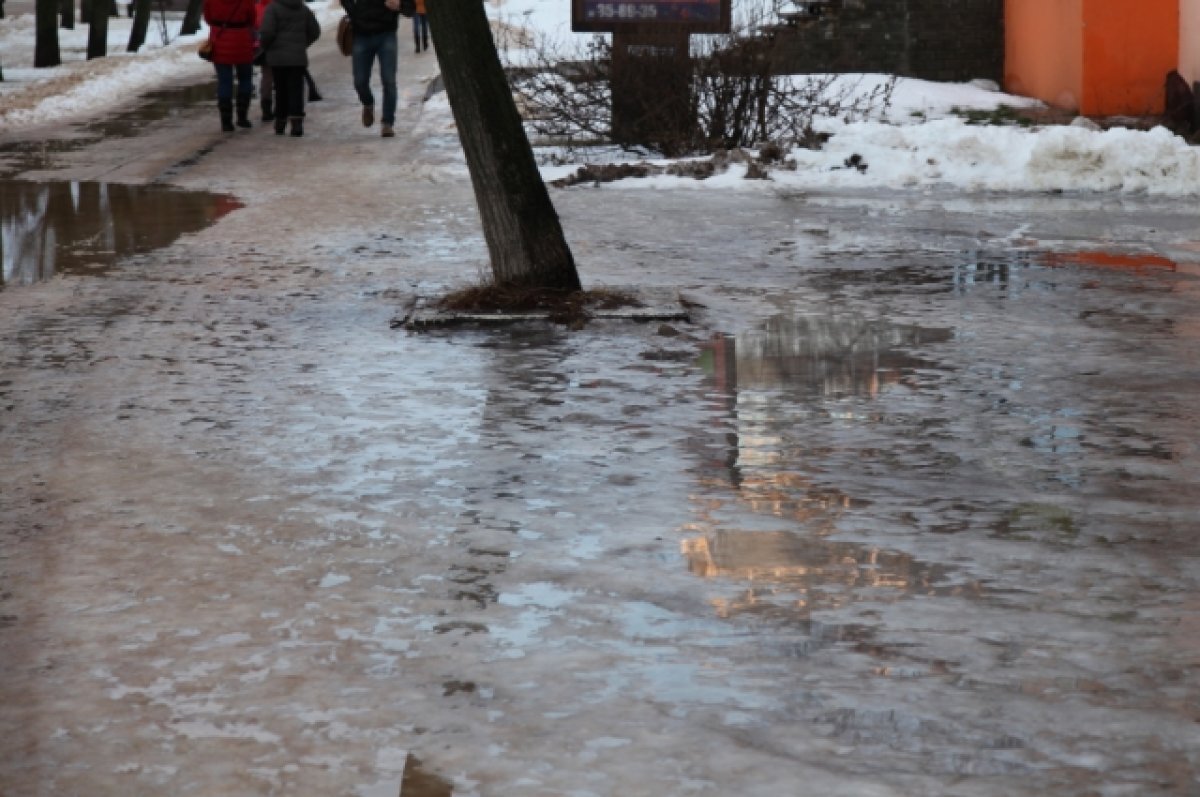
[(231, 24), (289, 27), (421, 27), (266, 83), (375, 23)]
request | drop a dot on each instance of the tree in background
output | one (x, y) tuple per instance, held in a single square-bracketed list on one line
[(97, 45), (524, 236), (45, 51), (191, 18), (141, 21), (66, 11)]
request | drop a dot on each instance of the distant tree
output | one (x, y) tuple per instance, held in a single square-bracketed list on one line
[(85, 12), (524, 236), (45, 51), (191, 18), (141, 21), (66, 12), (97, 46)]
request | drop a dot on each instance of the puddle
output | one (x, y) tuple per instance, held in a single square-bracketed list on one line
[(772, 384), (83, 228), (831, 356), (789, 574)]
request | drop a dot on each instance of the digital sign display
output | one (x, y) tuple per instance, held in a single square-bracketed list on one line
[(696, 16)]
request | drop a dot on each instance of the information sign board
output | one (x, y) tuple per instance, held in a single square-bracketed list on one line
[(693, 16)]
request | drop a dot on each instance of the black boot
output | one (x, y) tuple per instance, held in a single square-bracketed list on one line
[(297, 125), (243, 111), (425, 43), (225, 107), (417, 41), (280, 124), (313, 94), (267, 109)]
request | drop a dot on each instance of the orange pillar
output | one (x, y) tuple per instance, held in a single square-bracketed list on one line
[(1099, 57), (1043, 46), (1128, 49)]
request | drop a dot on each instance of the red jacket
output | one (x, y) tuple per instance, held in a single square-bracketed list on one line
[(260, 7), (231, 28)]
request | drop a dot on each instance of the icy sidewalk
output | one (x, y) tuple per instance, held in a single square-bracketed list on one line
[(908, 509)]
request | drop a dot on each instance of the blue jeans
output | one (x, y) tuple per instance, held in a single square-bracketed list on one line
[(366, 48), (245, 80)]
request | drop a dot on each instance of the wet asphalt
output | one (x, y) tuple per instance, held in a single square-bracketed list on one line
[(908, 507)]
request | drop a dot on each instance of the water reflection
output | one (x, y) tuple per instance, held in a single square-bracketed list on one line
[(769, 382), (84, 227), (807, 572)]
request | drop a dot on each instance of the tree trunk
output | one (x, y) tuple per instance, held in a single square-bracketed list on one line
[(98, 30), (45, 51), (191, 18), (66, 10), (523, 233), (85, 12), (141, 21)]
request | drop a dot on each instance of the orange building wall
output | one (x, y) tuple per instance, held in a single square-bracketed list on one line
[(1189, 39), (1099, 57), (1128, 49), (1044, 50)]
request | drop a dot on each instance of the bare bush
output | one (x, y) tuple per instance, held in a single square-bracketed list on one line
[(736, 97)]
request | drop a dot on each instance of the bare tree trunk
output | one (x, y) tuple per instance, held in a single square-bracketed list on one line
[(45, 51), (191, 18), (98, 30), (141, 21), (66, 10), (523, 233)]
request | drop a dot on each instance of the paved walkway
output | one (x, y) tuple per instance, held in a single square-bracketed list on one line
[(910, 509)]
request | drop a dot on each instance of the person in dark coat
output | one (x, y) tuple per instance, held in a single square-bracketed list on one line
[(288, 28), (375, 23), (231, 31)]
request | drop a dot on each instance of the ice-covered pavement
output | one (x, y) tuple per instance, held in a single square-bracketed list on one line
[(910, 508)]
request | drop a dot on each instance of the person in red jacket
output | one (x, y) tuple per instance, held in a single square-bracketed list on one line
[(231, 29)]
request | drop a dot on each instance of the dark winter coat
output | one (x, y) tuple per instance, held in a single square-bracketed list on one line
[(368, 17), (288, 28), (231, 28)]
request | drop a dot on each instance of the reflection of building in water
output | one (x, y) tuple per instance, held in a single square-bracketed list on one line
[(808, 572), (770, 383), (768, 380), (48, 228), (828, 356)]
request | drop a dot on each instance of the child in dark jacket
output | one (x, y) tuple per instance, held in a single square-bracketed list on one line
[(288, 28)]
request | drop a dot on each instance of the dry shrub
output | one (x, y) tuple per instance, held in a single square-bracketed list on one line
[(737, 98)]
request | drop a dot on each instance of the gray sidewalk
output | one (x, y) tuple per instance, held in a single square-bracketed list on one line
[(908, 509)]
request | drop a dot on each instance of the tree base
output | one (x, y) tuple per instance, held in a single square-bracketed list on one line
[(491, 304)]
